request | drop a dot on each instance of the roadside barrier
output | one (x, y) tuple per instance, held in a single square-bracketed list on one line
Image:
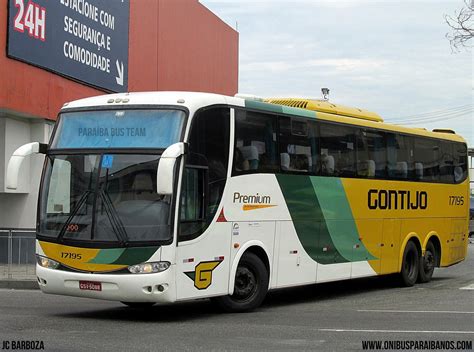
[(17, 254)]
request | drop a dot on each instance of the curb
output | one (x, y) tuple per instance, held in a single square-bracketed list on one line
[(19, 284)]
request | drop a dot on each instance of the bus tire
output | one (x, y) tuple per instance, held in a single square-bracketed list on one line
[(250, 288), (427, 263), (138, 305), (410, 265)]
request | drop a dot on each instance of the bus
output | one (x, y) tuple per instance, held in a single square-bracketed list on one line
[(160, 197)]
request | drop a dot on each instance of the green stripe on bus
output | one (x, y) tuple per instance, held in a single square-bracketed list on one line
[(135, 255), (308, 219), (258, 105), (281, 109), (107, 256), (339, 218), (301, 112)]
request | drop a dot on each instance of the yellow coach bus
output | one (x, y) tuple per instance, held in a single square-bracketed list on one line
[(171, 196)]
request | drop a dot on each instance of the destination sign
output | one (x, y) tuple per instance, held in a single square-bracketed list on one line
[(86, 40), (119, 129)]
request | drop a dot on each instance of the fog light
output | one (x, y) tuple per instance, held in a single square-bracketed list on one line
[(46, 262), (147, 268)]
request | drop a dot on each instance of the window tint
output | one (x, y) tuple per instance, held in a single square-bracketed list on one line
[(255, 143), (329, 149), (337, 150), (460, 162), (446, 162), (427, 155), (298, 145), (193, 204), (400, 164), (371, 154), (206, 170), (192, 201)]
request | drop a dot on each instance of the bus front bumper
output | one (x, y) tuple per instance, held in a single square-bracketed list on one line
[(157, 287)]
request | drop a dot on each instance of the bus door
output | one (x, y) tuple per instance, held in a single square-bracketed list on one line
[(203, 251), (203, 263)]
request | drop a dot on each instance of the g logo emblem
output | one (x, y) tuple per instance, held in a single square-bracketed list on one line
[(202, 274)]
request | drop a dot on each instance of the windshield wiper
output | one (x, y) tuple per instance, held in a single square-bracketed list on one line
[(73, 213), (114, 218)]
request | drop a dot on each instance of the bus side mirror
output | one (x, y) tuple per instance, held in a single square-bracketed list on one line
[(165, 173), (14, 164)]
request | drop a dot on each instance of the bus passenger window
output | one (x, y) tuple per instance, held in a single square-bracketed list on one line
[(371, 154), (399, 157), (298, 145), (446, 162), (426, 159), (255, 143), (460, 162), (337, 150), (240, 163)]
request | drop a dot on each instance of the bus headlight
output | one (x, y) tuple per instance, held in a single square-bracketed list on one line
[(148, 268), (46, 262)]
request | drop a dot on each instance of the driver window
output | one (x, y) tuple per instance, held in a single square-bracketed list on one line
[(205, 171)]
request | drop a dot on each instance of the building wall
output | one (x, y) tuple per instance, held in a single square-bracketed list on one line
[(187, 34), (173, 45), (18, 209), (30, 90)]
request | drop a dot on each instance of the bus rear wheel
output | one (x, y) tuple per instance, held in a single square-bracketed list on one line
[(427, 263), (250, 287), (410, 265)]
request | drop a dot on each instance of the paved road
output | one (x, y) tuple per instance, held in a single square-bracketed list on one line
[(330, 317)]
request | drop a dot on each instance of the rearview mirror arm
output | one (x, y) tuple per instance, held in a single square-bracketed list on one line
[(16, 160)]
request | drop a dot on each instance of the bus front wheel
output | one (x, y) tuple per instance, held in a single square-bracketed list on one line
[(427, 263), (410, 265), (250, 287)]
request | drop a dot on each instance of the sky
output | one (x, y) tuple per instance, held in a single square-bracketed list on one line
[(390, 57)]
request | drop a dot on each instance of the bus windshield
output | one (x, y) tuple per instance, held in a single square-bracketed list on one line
[(96, 187), (103, 197)]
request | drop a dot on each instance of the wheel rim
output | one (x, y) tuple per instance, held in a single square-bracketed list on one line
[(245, 284), (428, 262)]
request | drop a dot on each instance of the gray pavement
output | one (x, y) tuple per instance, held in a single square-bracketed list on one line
[(325, 317)]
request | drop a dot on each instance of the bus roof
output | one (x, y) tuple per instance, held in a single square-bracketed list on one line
[(300, 107), (326, 106), (190, 100)]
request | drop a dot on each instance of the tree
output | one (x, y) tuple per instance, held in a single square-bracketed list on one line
[(462, 26)]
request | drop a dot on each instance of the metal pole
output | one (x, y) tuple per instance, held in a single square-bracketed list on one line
[(10, 254), (19, 250)]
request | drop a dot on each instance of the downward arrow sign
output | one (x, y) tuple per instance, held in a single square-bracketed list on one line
[(119, 77)]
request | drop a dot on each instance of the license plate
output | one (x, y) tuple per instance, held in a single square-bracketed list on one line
[(90, 285)]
